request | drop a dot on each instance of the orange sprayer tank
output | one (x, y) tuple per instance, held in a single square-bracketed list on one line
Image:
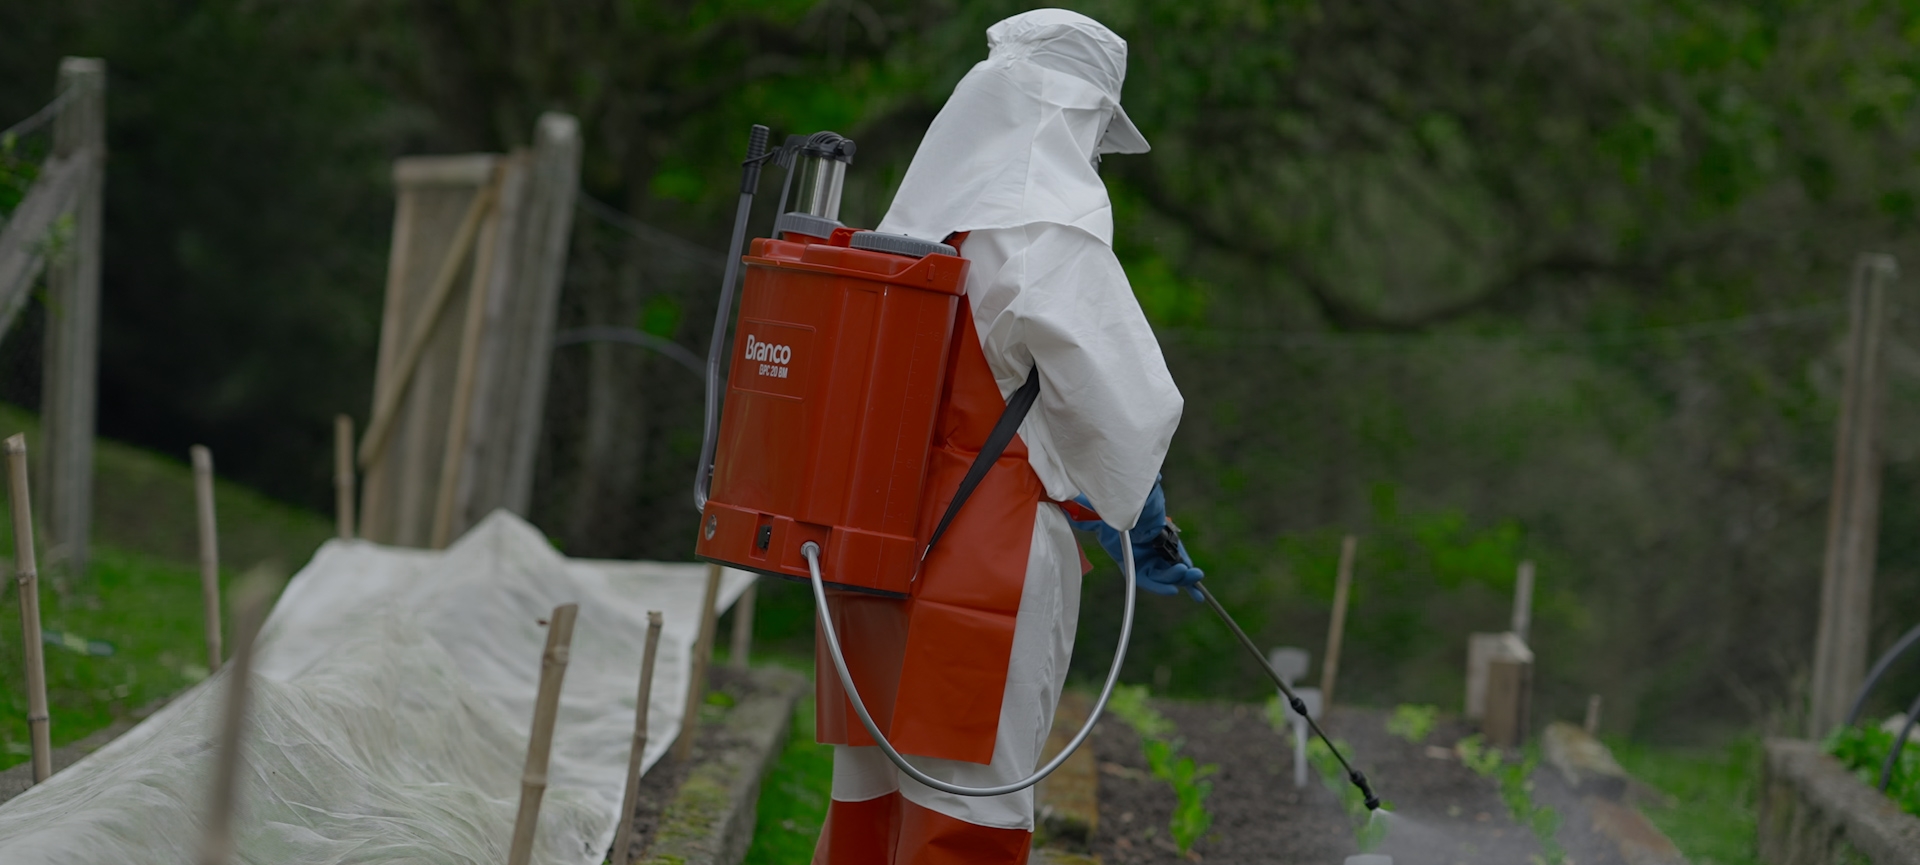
[(840, 360)]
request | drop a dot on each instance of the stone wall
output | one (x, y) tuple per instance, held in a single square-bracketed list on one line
[(1814, 812)]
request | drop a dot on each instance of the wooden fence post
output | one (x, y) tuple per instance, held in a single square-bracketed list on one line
[(1853, 514), (26, 575), (702, 656), (343, 476), (542, 263), (1336, 631), (209, 553), (623, 838), (250, 610), (68, 369), (546, 711)]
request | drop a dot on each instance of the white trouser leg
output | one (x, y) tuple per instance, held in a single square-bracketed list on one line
[(862, 773)]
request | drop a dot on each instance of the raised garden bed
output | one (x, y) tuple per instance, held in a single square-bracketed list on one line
[(1815, 812), (1447, 813), (699, 811)]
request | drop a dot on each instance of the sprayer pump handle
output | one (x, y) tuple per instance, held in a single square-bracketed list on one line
[(756, 154)]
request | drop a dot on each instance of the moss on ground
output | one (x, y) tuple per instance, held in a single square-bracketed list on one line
[(1711, 812), (793, 800)]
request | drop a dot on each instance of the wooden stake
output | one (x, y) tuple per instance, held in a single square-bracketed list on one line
[(624, 837), (343, 476), (1523, 601), (1593, 715), (1336, 632), (1853, 516), (27, 576), (742, 644), (702, 656), (546, 710), (250, 609), (209, 553)]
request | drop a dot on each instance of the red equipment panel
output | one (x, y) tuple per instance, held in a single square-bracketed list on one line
[(839, 363)]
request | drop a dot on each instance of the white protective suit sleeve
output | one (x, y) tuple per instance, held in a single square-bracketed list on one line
[(1056, 296)]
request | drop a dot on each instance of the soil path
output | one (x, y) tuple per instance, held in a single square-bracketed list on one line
[(1445, 813)]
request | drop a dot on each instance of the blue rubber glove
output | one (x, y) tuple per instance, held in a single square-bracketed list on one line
[(1160, 561)]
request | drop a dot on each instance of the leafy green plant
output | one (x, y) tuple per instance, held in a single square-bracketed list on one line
[(1190, 816), (1412, 722), (1864, 750), (1191, 820), (1475, 755), (17, 173), (1515, 780)]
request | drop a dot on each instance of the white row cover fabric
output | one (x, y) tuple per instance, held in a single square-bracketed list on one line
[(392, 701)]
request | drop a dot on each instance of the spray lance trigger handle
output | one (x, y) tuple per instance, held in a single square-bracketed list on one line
[(756, 155)]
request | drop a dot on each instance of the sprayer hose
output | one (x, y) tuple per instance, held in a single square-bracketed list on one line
[(811, 551)]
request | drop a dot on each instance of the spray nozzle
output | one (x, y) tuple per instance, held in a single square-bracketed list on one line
[(1359, 780)]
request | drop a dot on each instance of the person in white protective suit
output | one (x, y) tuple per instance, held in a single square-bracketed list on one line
[(1008, 172)]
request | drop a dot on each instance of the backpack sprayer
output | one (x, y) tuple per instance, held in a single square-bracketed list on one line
[(818, 463)]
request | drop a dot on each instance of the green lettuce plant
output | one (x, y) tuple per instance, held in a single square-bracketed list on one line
[(1191, 820), (1515, 780)]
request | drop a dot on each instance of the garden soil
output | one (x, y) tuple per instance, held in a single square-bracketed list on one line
[(1447, 815)]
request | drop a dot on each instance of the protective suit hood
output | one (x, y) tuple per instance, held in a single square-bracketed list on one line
[(1016, 141)]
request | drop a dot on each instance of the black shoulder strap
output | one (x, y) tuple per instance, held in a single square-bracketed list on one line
[(1017, 406)]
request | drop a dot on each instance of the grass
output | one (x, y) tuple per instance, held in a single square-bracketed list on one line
[(1711, 815), (793, 801), (141, 594)]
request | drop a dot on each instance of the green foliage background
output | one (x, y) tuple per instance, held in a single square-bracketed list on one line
[(1481, 282)]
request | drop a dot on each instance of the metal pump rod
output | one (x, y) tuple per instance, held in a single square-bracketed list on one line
[(749, 181), (1355, 776)]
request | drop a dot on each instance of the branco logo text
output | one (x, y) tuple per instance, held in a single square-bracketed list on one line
[(773, 357)]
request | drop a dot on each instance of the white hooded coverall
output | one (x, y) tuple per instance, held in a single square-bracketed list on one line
[(1011, 160)]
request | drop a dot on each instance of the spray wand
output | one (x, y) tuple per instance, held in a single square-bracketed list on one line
[(1358, 778)]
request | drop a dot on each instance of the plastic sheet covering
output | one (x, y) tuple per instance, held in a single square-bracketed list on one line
[(393, 697)]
